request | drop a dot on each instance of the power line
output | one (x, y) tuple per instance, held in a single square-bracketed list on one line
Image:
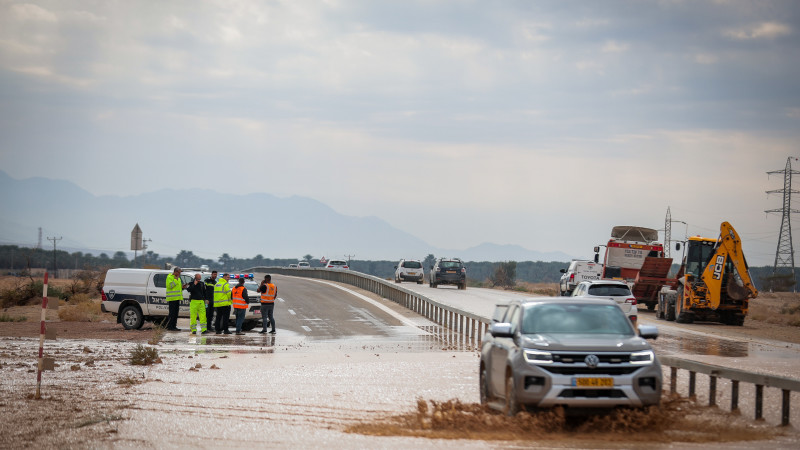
[(55, 266)]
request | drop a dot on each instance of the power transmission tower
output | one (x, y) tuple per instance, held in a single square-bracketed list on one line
[(55, 267), (784, 254)]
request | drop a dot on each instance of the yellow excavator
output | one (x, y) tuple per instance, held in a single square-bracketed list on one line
[(712, 284)]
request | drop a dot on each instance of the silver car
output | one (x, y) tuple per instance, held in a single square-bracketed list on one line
[(574, 352)]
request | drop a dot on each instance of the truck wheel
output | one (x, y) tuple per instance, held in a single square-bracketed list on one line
[(484, 387), (669, 311), (131, 318), (651, 306), (419, 281), (512, 404), (463, 286), (249, 325)]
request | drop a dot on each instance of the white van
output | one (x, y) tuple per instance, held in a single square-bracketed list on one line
[(138, 295), (579, 270)]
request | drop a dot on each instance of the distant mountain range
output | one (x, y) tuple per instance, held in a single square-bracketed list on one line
[(210, 223)]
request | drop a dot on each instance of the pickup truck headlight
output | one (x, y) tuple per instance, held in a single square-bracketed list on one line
[(645, 357), (538, 357)]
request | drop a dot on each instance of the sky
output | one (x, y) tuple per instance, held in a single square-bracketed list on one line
[(536, 123)]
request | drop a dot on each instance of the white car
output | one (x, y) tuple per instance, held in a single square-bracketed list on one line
[(409, 270), (337, 264), (303, 264), (611, 290)]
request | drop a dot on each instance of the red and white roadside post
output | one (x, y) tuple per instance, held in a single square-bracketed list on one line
[(44, 363)]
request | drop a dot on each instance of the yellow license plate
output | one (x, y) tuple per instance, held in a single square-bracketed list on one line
[(594, 382)]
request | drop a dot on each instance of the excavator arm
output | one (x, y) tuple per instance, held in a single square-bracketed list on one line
[(729, 246)]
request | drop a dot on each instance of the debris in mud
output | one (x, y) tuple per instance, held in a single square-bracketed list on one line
[(87, 350), (214, 366), (675, 420), (144, 356), (75, 367)]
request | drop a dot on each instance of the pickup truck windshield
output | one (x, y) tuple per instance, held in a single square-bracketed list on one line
[(575, 319)]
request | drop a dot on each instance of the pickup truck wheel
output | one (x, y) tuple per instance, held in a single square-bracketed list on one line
[(512, 405), (419, 281), (484, 387), (131, 318)]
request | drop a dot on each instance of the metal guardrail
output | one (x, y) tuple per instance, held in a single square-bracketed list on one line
[(786, 385), (471, 328)]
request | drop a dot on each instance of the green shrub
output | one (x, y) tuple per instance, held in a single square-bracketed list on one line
[(144, 356), (7, 318)]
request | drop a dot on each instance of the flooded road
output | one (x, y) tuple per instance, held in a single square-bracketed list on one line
[(345, 359)]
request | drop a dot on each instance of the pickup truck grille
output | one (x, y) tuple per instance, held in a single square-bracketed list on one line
[(604, 370)]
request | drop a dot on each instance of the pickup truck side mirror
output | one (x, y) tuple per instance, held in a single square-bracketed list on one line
[(563, 270), (648, 332), (596, 258), (501, 330), (677, 246)]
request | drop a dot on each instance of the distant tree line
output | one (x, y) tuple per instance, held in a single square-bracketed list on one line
[(16, 259)]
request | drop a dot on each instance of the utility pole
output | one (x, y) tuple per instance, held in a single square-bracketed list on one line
[(144, 250), (348, 259), (784, 254), (55, 267)]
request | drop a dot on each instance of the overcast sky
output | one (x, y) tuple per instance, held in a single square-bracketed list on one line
[(537, 123)]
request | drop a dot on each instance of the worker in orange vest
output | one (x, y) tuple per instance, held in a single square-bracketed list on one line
[(269, 292), (240, 300)]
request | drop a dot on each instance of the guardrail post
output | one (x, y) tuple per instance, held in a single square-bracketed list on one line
[(712, 390), (734, 395), (787, 396), (692, 382), (759, 401), (673, 379)]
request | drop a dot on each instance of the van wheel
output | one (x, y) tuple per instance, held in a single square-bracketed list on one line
[(512, 404), (131, 318), (484, 387)]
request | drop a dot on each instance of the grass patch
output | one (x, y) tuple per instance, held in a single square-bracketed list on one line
[(129, 381), (7, 318), (158, 333), (780, 308), (144, 356), (86, 311)]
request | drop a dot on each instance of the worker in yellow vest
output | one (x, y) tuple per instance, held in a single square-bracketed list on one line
[(269, 292), (240, 301), (175, 289), (222, 304)]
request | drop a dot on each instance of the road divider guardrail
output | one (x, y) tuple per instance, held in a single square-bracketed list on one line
[(470, 329)]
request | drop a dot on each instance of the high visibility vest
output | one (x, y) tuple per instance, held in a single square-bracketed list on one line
[(238, 297), (174, 288), (222, 293), (269, 295)]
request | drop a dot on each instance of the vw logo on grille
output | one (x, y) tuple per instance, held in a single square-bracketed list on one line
[(592, 361)]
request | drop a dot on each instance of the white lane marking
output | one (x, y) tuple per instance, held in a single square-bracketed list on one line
[(385, 309), (280, 299), (307, 328), (291, 311)]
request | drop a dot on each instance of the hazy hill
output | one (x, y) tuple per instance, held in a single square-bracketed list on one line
[(210, 223)]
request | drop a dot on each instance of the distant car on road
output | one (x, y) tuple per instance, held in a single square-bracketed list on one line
[(409, 270), (577, 353), (292, 266), (337, 264), (448, 271), (617, 291), (302, 264)]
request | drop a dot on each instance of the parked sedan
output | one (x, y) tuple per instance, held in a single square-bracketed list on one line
[(577, 353), (617, 291)]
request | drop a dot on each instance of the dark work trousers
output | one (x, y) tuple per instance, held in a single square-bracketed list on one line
[(172, 318), (210, 315), (223, 312), (266, 316)]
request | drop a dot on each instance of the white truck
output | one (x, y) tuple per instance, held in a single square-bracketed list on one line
[(578, 270), (138, 295)]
